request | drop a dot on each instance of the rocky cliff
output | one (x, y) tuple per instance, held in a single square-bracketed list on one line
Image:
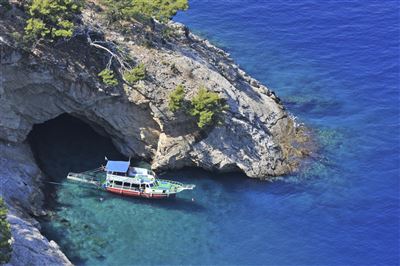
[(258, 136), (20, 186)]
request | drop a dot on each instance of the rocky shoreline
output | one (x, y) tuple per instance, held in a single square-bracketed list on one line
[(259, 137), (20, 186)]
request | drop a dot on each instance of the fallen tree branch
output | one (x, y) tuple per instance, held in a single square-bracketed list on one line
[(124, 65)]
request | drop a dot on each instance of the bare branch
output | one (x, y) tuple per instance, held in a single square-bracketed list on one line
[(114, 52), (122, 63)]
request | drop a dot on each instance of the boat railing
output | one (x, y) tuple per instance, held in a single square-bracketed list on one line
[(181, 185), (89, 176), (171, 181)]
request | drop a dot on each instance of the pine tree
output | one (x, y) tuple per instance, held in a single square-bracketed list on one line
[(51, 19)]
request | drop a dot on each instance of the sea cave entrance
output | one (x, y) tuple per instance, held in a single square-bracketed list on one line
[(70, 144)]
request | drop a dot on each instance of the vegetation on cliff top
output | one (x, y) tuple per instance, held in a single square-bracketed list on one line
[(51, 19), (130, 76), (108, 77), (5, 234), (207, 106), (162, 10), (135, 74)]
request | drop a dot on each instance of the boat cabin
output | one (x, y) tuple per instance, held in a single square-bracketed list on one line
[(121, 175)]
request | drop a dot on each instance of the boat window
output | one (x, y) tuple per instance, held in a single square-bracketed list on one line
[(118, 183), (127, 185), (132, 186)]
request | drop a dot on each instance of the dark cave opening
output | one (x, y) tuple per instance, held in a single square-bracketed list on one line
[(62, 145), (68, 144)]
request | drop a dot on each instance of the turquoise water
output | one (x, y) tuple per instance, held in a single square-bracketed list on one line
[(335, 64)]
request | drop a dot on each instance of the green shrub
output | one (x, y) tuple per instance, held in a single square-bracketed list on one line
[(208, 107), (115, 9), (36, 28), (108, 77), (51, 19), (175, 101), (20, 40), (5, 235), (17, 37), (135, 74), (205, 118), (162, 10)]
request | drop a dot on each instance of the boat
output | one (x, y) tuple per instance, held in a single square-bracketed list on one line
[(120, 178)]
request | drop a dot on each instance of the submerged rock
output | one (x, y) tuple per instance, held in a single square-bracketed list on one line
[(65, 222)]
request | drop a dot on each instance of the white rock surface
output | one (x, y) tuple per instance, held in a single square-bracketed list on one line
[(30, 247), (20, 181)]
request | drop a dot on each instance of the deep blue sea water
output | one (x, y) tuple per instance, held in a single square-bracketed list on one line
[(335, 64)]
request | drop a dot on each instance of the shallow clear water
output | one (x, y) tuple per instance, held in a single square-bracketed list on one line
[(336, 66)]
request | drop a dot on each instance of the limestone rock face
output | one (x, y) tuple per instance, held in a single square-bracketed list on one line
[(20, 177), (258, 136), (33, 92), (30, 247), (20, 181)]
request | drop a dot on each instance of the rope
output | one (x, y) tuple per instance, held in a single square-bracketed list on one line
[(54, 183)]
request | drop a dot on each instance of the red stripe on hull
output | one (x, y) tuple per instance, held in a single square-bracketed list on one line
[(130, 193)]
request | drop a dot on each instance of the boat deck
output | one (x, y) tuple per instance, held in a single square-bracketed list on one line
[(93, 177)]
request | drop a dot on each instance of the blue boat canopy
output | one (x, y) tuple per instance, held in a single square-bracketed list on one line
[(117, 166)]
